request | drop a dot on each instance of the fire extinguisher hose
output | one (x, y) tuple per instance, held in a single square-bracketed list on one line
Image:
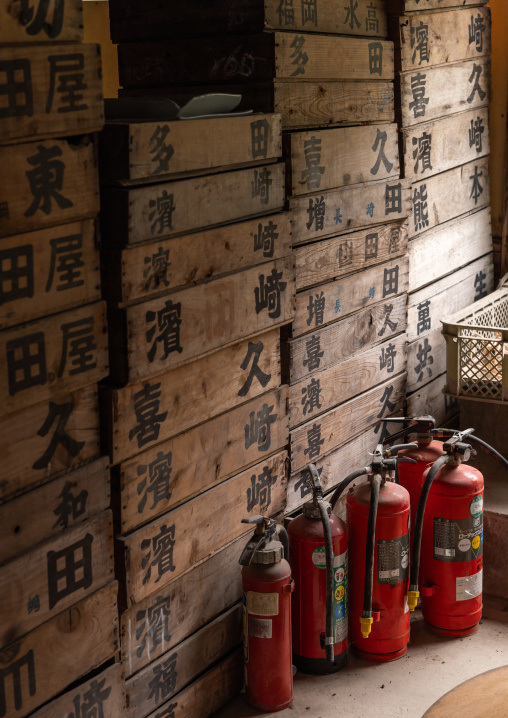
[(345, 483), (329, 632), (366, 617)]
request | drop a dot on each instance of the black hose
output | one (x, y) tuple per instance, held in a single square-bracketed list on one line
[(329, 632), (345, 483), (282, 535), (400, 447), (417, 537), (370, 547)]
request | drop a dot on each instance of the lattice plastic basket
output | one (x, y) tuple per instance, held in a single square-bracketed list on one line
[(477, 349)]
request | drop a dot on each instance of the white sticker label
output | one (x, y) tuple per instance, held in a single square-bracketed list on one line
[(263, 604), (406, 605), (468, 586), (476, 505), (260, 627)]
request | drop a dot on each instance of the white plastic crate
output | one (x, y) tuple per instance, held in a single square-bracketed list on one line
[(477, 349)]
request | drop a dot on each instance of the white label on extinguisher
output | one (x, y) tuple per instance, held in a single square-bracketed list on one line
[(468, 586), (263, 604), (260, 627)]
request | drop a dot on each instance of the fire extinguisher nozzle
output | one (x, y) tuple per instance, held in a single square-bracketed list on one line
[(366, 626), (412, 599)]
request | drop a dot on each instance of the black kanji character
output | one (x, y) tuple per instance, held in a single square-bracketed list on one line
[(14, 671), (61, 412), (16, 273), (475, 77), (161, 215), (309, 12), (46, 180), (381, 138), (425, 359), (375, 58), (421, 153), (388, 407), (351, 15), (69, 70), (314, 353), (67, 262), (371, 246), (475, 134), (78, 344), (161, 150), (152, 627), (393, 244), (259, 138), (418, 87), (316, 211), (92, 703), (345, 254), (476, 29), (476, 189), (167, 321), (16, 88), (299, 57), (148, 418), (311, 395), (480, 285), (70, 505), (163, 683), (387, 358), (311, 175), (420, 208), (261, 185), (162, 546), (393, 198), (286, 13), (388, 309), (268, 294), (265, 238), (260, 491), (391, 281), (26, 362), (69, 569), (424, 318), (258, 430), (419, 42), (35, 22), (157, 482), (156, 269), (253, 350), (371, 21), (314, 442), (316, 309)]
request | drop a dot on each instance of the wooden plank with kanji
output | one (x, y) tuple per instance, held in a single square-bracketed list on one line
[(333, 344), (153, 151), (51, 91), (325, 159), (159, 552), (142, 414), (48, 439), (43, 663), (176, 470), (20, 23), (335, 212), (53, 508), (48, 271), (54, 355), (426, 359), (41, 583), (430, 399), (397, 7)]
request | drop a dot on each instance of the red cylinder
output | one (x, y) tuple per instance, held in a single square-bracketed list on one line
[(452, 552), (267, 635), (390, 630), (308, 566)]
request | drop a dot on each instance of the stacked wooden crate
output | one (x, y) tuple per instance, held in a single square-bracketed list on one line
[(442, 52), (58, 597), (200, 278)]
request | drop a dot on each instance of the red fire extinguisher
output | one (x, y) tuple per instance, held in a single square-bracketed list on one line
[(267, 587), (378, 522), (318, 558)]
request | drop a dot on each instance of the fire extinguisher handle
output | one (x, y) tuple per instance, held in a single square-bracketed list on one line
[(393, 450)]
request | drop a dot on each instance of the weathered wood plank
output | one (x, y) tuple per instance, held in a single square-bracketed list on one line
[(153, 151), (208, 693), (215, 585), (160, 479), (165, 676), (426, 359), (334, 212), (449, 195), (148, 269), (460, 242), (163, 210), (330, 345), (156, 554), (189, 395), (430, 399), (467, 35), (446, 143), (427, 306), (52, 577), (330, 302), (48, 271), (331, 430), (51, 356), (50, 91), (444, 90), (25, 207), (326, 159), (135, 21), (170, 331), (17, 24), (397, 7), (325, 389), (44, 662), (332, 258), (49, 510), (109, 684)]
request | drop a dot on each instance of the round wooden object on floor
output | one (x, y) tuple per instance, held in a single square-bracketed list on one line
[(485, 696)]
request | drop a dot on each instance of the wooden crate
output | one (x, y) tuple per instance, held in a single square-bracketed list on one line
[(434, 147), (47, 271), (58, 573), (107, 688), (164, 333), (141, 271), (65, 24), (441, 38), (397, 7), (47, 660), (426, 359), (159, 552), (343, 339), (328, 214), (47, 439), (133, 21), (24, 207), (49, 510), (330, 158), (142, 414), (151, 151), (339, 256), (328, 303), (339, 425), (430, 399), (444, 90), (324, 390), (448, 195), (51, 356), (163, 210), (162, 620), (51, 91), (161, 478), (427, 306), (460, 242), (167, 675)]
